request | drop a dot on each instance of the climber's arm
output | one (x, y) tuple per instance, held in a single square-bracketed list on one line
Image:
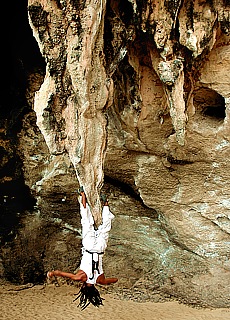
[(79, 276), (104, 281)]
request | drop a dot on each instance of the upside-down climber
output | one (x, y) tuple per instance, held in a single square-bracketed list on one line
[(94, 243)]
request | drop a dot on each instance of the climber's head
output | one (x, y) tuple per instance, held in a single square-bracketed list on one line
[(88, 294)]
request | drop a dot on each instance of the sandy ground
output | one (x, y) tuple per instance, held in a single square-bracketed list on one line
[(56, 303)]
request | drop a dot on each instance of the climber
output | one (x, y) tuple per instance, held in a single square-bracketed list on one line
[(94, 243)]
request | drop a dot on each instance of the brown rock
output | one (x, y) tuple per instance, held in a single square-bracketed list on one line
[(136, 94)]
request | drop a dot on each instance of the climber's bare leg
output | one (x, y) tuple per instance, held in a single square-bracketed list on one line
[(83, 199)]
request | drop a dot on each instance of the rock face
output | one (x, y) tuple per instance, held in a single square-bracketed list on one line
[(136, 95)]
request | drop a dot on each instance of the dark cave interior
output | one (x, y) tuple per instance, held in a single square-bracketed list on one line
[(20, 56)]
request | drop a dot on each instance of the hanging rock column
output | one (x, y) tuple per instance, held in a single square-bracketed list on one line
[(70, 102)]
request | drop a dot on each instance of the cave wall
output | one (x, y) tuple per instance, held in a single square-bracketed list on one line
[(134, 94)]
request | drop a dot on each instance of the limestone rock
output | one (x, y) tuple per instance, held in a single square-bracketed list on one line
[(132, 100)]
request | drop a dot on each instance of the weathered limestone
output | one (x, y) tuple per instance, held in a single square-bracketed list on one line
[(147, 82), (198, 33), (69, 105), (172, 76)]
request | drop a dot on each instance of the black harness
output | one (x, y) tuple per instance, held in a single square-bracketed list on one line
[(95, 264)]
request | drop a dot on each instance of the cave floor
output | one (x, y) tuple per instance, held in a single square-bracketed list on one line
[(51, 302)]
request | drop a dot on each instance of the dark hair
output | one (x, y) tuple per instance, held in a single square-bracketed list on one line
[(87, 295)]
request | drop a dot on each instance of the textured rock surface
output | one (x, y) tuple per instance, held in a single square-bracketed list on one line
[(138, 91)]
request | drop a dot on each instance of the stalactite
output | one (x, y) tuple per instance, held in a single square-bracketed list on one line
[(85, 95)]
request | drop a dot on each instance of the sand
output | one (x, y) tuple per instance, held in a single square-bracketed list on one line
[(43, 302)]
